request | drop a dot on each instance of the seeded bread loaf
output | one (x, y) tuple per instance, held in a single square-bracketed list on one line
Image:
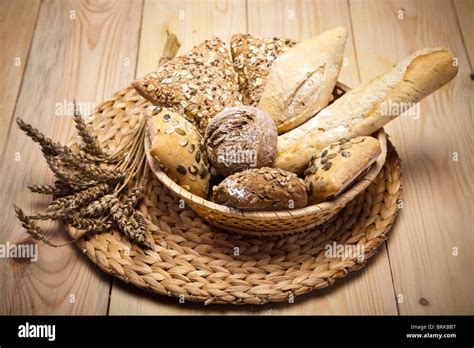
[(261, 189), (363, 110), (198, 84), (240, 138), (177, 146), (252, 58), (302, 79), (338, 166)]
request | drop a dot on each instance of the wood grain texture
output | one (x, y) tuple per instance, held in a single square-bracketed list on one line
[(436, 214), (300, 20), (465, 15), (192, 22), (96, 53), (83, 55), (15, 42)]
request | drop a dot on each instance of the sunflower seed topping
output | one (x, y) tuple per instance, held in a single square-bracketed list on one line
[(180, 131), (181, 169)]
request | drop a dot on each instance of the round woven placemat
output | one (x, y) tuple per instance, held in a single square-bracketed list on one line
[(199, 262)]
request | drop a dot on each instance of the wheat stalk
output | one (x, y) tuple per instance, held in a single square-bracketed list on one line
[(86, 195)]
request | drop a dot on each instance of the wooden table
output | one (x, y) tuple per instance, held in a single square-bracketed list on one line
[(54, 51)]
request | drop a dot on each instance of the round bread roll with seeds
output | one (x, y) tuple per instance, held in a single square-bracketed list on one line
[(335, 168), (177, 146), (262, 189), (240, 138)]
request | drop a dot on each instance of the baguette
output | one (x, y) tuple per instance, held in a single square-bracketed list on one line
[(302, 79), (363, 110)]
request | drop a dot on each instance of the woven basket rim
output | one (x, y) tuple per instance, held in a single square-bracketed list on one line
[(339, 201)]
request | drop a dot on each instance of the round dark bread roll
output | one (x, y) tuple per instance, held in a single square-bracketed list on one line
[(240, 138), (262, 189)]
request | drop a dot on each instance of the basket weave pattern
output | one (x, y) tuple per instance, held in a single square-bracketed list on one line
[(202, 263), (273, 223)]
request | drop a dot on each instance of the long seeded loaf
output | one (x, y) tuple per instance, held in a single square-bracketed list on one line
[(363, 110)]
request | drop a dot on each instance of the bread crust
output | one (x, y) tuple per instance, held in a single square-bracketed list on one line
[(198, 84), (338, 165), (302, 79), (177, 146), (361, 111), (240, 138), (253, 57), (262, 189)]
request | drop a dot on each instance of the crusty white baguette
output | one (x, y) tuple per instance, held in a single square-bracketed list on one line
[(302, 79), (363, 110)]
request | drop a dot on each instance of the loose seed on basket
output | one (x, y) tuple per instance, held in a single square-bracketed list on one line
[(191, 148), (166, 117), (346, 154), (193, 170), (183, 141), (325, 152)]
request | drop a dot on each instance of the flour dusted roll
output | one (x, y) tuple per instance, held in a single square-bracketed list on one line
[(365, 109), (302, 79), (240, 138)]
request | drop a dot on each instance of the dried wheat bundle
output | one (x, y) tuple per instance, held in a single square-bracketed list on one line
[(94, 191)]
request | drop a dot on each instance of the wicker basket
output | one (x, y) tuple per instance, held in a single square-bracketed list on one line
[(271, 223)]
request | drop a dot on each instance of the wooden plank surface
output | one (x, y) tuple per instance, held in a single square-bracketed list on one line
[(80, 54), (437, 211), (15, 41), (107, 44), (465, 15), (192, 22)]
